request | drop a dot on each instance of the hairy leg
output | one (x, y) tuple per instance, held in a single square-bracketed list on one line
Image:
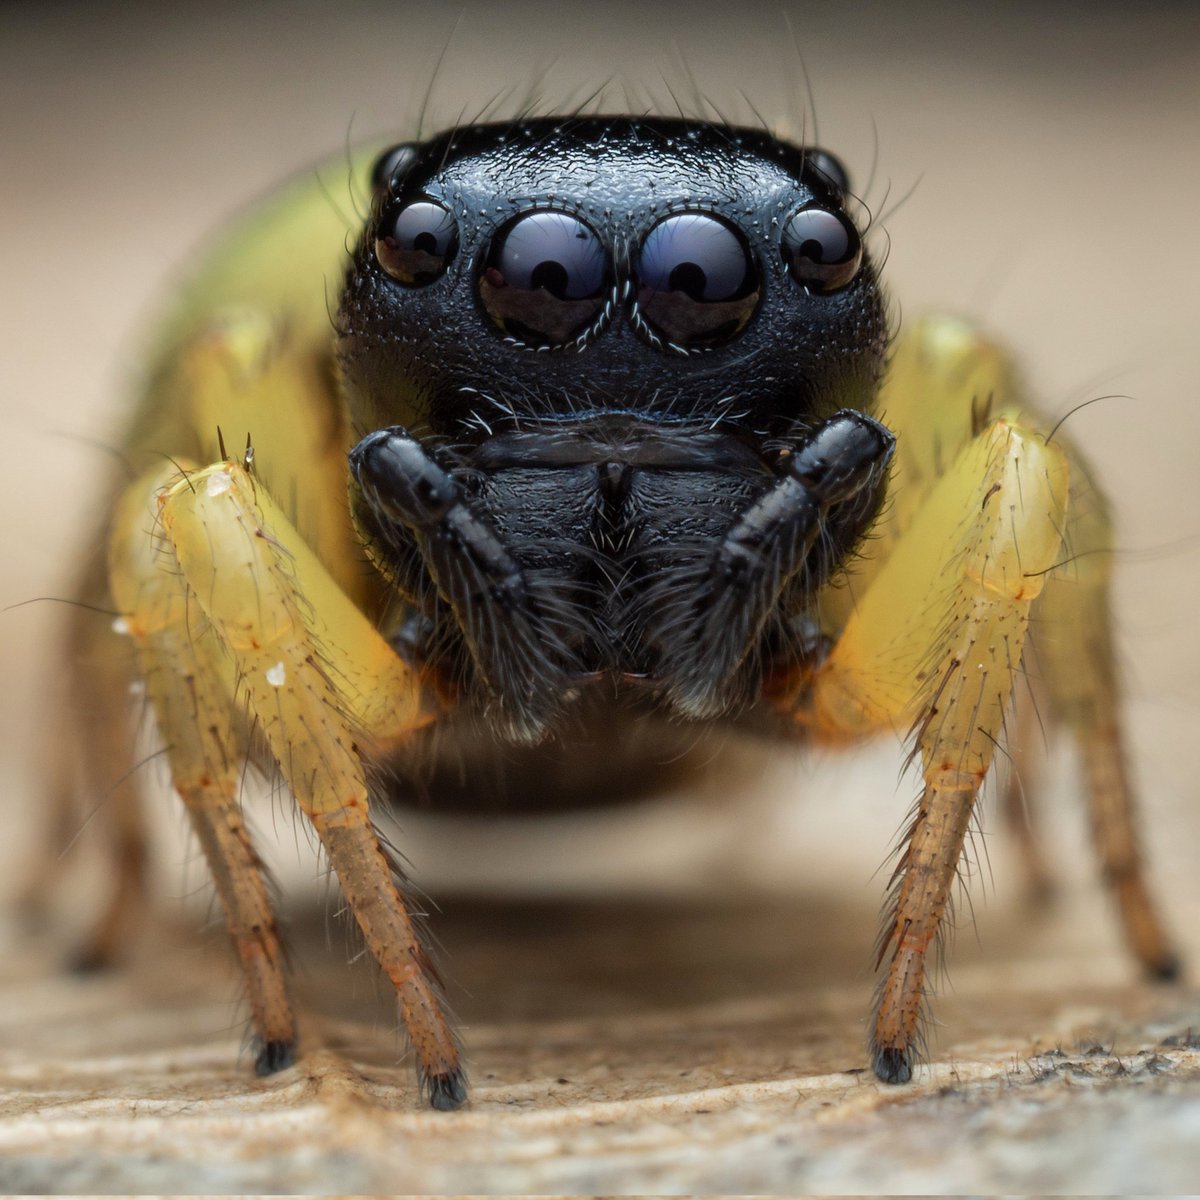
[(935, 644), (1075, 648), (326, 692), (188, 684)]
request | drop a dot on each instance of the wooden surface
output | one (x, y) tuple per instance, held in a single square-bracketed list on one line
[(615, 1047), (701, 1030), (686, 1010)]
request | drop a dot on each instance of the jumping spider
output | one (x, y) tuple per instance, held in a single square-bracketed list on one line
[(599, 391)]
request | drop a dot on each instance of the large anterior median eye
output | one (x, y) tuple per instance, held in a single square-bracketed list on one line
[(547, 279), (822, 249), (416, 241), (697, 282)]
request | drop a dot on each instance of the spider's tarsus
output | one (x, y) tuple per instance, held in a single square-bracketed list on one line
[(891, 1065), (447, 1091), (89, 960), (1166, 970), (275, 1057)]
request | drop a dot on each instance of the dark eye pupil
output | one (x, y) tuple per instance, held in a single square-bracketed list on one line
[(552, 276), (546, 278), (688, 278), (697, 282), (822, 249), (417, 242)]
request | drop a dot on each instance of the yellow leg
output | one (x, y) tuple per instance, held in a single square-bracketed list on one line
[(944, 386), (1076, 652), (89, 746), (96, 745), (1026, 752), (326, 692), (240, 370), (186, 682), (935, 644)]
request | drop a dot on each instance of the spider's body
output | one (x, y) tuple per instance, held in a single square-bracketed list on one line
[(612, 403)]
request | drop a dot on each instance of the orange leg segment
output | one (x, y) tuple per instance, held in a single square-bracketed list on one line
[(934, 645), (326, 693)]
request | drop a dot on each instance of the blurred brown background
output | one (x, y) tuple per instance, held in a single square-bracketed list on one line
[(1036, 167)]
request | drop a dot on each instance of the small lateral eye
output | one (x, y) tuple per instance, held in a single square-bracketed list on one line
[(828, 168), (547, 278), (697, 281), (416, 241), (391, 166), (822, 249)]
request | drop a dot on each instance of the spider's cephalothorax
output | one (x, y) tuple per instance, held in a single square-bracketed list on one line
[(611, 378)]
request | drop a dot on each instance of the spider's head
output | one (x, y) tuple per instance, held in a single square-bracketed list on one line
[(577, 353), (588, 265)]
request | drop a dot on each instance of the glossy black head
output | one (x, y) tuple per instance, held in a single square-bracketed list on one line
[(597, 265)]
